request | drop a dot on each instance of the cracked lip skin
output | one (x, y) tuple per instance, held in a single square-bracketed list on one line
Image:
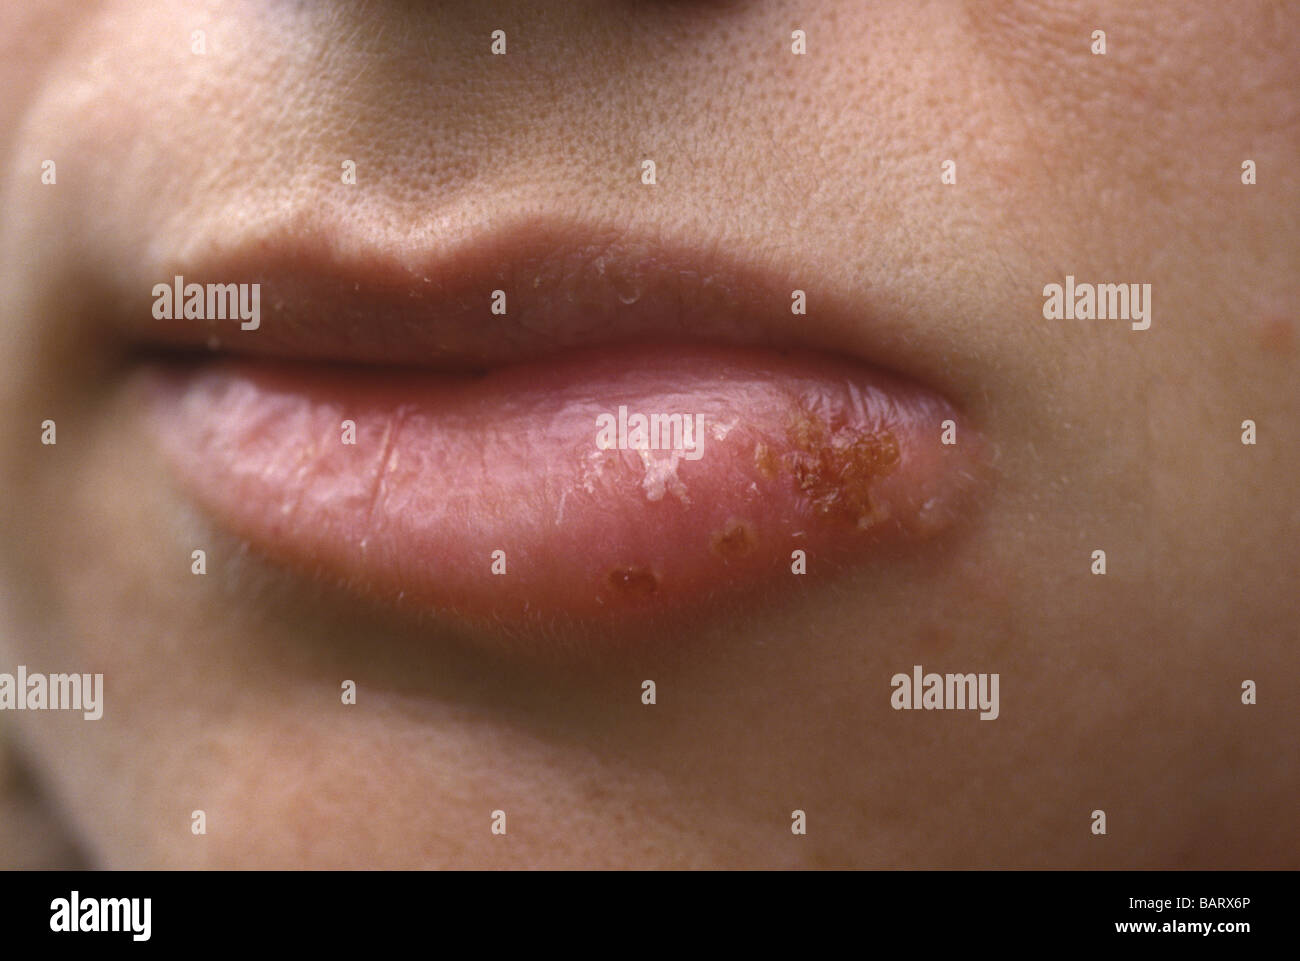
[(493, 480)]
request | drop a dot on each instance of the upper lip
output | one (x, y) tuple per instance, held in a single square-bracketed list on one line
[(327, 296)]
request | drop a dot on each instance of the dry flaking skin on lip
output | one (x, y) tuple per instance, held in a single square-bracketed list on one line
[(488, 499)]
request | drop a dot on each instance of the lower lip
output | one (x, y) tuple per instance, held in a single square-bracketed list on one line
[(509, 500)]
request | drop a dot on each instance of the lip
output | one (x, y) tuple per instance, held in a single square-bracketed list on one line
[(480, 487), (331, 293)]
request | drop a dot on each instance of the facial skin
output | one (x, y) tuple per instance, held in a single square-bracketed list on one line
[(1119, 692)]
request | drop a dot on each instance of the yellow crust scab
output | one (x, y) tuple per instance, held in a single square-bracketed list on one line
[(736, 539), (768, 463), (835, 468)]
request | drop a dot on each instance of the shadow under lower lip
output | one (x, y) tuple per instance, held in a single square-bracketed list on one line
[(527, 496)]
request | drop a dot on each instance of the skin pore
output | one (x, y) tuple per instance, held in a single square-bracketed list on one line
[(1119, 692)]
